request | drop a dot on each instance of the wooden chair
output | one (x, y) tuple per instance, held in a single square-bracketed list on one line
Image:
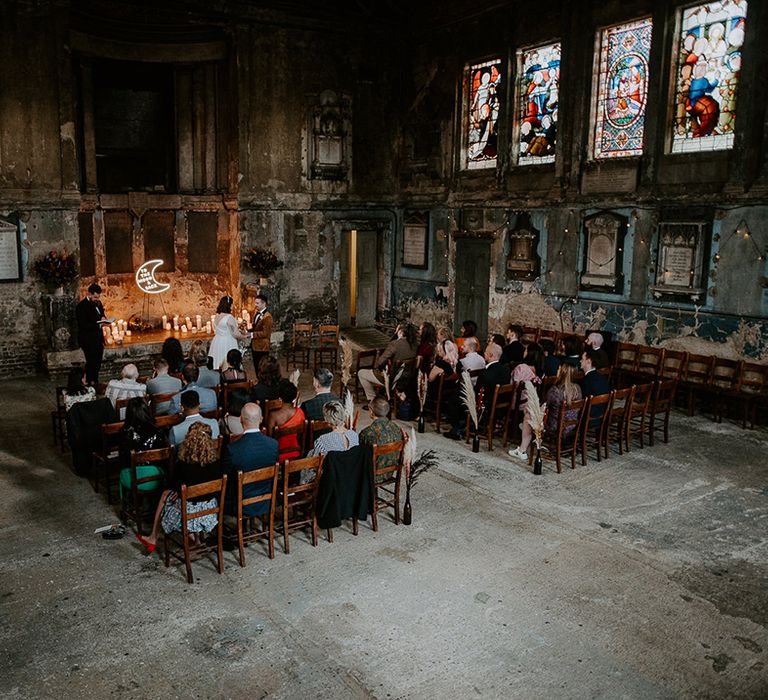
[(156, 399), (316, 428), (140, 501), (300, 431), (546, 384), (673, 364), (637, 412), (169, 420), (366, 359), (228, 388), (625, 364), (616, 421), (386, 478), (301, 344), (327, 350), (267, 531), (299, 497), (565, 440), (546, 334), (215, 414), (120, 406), (59, 420), (106, 460), (724, 380), (698, 373), (661, 407), (503, 401), (530, 334), (185, 550), (750, 391), (594, 426), (650, 360), (269, 406), (447, 385)]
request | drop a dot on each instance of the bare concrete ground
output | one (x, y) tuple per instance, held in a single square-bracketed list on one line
[(640, 577)]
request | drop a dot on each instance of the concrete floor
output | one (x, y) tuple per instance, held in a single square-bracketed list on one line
[(640, 577)]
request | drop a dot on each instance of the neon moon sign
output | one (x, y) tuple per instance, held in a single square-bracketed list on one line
[(145, 278)]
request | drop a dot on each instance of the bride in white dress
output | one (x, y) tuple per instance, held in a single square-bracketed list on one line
[(226, 333)]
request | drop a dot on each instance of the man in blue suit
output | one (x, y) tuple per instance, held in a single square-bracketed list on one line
[(253, 450)]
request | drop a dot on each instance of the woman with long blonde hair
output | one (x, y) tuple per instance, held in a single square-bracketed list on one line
[(447, 354), (197, 462)]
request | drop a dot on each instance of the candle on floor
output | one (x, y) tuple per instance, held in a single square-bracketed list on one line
[(128, 333), (167, 326)]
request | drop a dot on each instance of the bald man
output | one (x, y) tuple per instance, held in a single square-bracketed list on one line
[(253, 450)]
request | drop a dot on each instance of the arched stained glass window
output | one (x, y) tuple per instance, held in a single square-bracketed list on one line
[(707, 75), (538, 94), (483, 81), (622, 89)]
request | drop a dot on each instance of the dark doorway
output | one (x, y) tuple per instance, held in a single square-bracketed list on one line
[(359, 281), (473, 272)]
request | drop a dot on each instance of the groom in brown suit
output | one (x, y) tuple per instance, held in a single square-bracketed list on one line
[(262, 331)]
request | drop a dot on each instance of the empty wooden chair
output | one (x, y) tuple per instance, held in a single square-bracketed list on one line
[(661, 407), (616, 419), (625, 364), (504, 397), (301, 344), (186, 550), (650, 360), (229, 388), (695, 382), (298, 501), (750, 392), (637, 413), (387, 474), (724, 381), (327, 350), (673, 364), (564, 441), (106, 459), (147, 478), (246, 525)]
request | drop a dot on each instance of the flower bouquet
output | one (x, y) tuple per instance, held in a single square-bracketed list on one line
[(262, 261), (56, 268)]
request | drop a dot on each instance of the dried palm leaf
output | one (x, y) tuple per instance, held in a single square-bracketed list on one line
[(534, 412), (346, 361), (385, 372), (409, 451), (295, 377), (349, 409), (468, 397), (422, 383), (426, 461)]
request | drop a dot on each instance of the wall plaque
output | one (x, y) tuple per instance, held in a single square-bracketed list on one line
[(10, 252), (680, 258), (604, 252), (610, 179), (416, 241)]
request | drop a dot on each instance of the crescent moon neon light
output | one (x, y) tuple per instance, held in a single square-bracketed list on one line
[(145, 278)]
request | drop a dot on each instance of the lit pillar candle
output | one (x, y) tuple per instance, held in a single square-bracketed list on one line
[(208, 328), (165, 320), (188, 323), (128, 333), (184, 328), (167, 326), (110, 340), (198, 320)]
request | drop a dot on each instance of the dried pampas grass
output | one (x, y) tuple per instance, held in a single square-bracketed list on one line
[(468, 397), (534, 412), (346, 361)]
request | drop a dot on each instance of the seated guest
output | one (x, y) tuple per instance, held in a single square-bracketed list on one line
[(287, 416), (493, 375), (190, 409), (595, 341), (551, 362), (207, 397), (173, 354), (564, 390), (468, 330), (322, 381), (269, 377), (472, 359), (194, 348), (426, 351), (232, 368), (253, 450), (593, 384), (126, 387), (531, 368), (139, 433), (446, 355), (571, 351), (497, 338), (513, 350), (402, 347), (77, 390), (340, 437), (381, 431), (197, 461), (207, 378), (231, 424), (163, 383)]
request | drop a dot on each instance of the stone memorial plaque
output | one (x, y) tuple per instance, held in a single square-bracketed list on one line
[(415, 246), (677, 268), (610, 179), (680, 257), (10, 252)]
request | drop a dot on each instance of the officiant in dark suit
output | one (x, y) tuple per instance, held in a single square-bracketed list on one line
[(90, 318)]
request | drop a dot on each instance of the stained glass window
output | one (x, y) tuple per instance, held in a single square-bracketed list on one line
[(708, 67), (622, 89), (483, 114), (538, 94)]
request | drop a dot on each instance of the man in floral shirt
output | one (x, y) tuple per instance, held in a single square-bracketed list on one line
[(382, 431)]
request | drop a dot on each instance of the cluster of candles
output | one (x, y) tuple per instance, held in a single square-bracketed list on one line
[(116, 332), (187, 324)]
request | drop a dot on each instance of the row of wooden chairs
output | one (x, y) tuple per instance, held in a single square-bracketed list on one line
[(323, 344), (718, 380), (297, 503)]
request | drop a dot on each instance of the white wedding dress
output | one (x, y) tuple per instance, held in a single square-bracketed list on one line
[(225, 338)]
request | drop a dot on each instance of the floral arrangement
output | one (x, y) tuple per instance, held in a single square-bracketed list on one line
[(55, 268), (139, 324), (262, 261)]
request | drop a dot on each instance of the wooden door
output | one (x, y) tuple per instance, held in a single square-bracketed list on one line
[(367, 278), (473, 274)]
